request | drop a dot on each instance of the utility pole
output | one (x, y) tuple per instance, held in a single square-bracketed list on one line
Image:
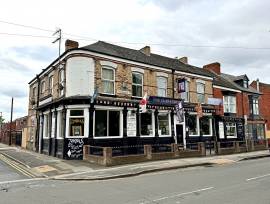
[(59, 40), (10, 126)]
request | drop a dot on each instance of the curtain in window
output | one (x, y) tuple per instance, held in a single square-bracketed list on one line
[(108, 80)]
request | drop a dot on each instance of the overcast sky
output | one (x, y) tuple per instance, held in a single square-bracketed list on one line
[(180, 26)]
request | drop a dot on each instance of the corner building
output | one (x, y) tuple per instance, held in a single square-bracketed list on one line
[(68, 115)]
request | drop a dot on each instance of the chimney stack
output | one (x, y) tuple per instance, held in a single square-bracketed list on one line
[(214, 67), (146, 50), (70, 44), (258, 84), (183, 60)]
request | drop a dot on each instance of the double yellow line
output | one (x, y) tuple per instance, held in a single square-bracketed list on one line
[(16, 166)]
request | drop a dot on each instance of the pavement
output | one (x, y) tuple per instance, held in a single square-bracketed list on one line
[(42, 166)]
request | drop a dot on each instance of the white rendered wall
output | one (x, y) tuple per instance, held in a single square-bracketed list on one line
[(80, 76)]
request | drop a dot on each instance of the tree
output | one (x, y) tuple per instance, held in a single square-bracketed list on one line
[(1, 120)]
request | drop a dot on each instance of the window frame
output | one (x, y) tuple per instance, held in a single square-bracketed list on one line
[(186, 94), (162, 88), (210, 126), (153, 125), (255, 106), (200, 93), (108, 80), (134, 84), (86, 122), (169, 124), (228, 104), (120, 122), (43, 87), (230, 136), (197, 125), (50, 84)]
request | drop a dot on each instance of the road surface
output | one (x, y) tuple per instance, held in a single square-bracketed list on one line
[(242, 182)]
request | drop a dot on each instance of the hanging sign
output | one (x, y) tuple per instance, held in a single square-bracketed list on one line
[(180, 111), (181, 85)]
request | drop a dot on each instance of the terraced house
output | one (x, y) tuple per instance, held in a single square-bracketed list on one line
[(90, 95)]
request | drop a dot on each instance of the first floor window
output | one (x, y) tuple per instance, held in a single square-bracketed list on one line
[(108, 78), (76, 123), (193, 125), (229, 103), (137, 84), (185, 95), (231, 130), (200, 92), (256, 106), (146, 124), (162, 86), (164, 124), (107, 123), (206, 125)]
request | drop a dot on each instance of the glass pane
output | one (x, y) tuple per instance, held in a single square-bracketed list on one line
[(192, 122), (108, 87), (76, 126), (137, 78), (200, 98), (136, 90), (114, 123), (107, 74), (76, 112), (162, 82), (100, 123), (146, 124), (231, 130), (200, 88), (162, 92), (205, 125), (163, 121)]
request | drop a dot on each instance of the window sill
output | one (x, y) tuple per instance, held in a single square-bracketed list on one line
[(147, 136), (74, 137), (107, 94), (108, 137), (164, 135)]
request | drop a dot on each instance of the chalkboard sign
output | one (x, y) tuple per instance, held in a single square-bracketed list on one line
[(74, 148), (240, 130)]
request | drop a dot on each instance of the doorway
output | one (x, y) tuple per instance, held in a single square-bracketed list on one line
[(179, 134)]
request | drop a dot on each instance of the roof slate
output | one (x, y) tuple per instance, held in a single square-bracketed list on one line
[(138, 56)]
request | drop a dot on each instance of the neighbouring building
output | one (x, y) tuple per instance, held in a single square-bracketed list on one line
[(264, 102), (15, 132), (64, 113), (240, 105)]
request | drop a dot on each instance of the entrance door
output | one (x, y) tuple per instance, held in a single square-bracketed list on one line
[(179, 134)]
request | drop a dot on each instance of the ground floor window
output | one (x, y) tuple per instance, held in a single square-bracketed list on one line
[(147, 124), (193, 125), (107, 123), (231, 130), (76, 123), (206, 126), (260, 131), (163, 124)]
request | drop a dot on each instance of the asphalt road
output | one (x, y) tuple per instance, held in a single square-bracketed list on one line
[(243, 182), (7, 173)]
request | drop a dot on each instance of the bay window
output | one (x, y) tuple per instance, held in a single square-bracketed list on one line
[(137, 84), (108, 80), (229, 103), (162, 86)]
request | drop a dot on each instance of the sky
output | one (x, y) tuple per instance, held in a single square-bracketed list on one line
[(234, 33)]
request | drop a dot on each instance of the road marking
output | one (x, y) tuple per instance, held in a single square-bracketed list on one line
[(22, 180), (16, 166), (178, 195), (257, 177)]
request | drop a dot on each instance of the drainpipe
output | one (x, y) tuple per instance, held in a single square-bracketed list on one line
[(37, 148), (173, 72)]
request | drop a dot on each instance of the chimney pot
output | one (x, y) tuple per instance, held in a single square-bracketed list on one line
[(70, 44), (183, 60), (146, 50)]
